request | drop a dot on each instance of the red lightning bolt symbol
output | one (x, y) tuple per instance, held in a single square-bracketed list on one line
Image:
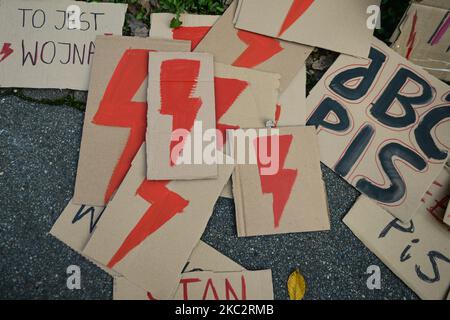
[(226, 91), (193, 34), (260, 49), (412, 37), (6, 51), (118, 110), (165, 204), (178, 82), (298, 8), (279, 185)]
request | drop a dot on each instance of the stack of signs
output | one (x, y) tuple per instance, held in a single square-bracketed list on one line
[(50, 44), (423, 36)]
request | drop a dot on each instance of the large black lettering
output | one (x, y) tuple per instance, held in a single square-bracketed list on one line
[(355, 150), (393, 93), (433, 256), (397, 189), (328, 106), (82, 212), (423, 132), (368, 75), (28, 54)]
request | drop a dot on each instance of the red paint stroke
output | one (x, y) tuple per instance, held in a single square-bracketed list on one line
[(165, 204), (210, 284), (179, 79), (229, 289), (6, 51), (185, 283), (277, 114), (298, 8), (193, 34), (412, 37), (117, 109), (440, 31), (226, 92), (260, 49), (279, 185), (150, 296)]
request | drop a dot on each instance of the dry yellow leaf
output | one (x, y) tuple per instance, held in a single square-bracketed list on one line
[(296, 285)]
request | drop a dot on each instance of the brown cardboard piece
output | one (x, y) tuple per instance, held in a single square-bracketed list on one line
[(115, 118), (194, 27), (241, 49), (437, 196), (242, 285), (388, 155), (204, 258), (164, 221), (423, 245), (39, 51), (181, 108), (253, 105), (423, 38), (340, 26), (291, 200)]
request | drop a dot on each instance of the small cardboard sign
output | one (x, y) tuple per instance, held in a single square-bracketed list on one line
[(239, 286), (116, 114), (341, 26), (181, 109), (50, 44), (194, 27), (423, 37), (164, 221), (383, 125), (248, 50), (418, 252), (437, 197), (291, 197)]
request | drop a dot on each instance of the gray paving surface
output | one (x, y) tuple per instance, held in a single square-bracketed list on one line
[(39, 147)]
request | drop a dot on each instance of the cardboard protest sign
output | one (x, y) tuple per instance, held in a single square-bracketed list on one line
[(164, 221), (423, 37), (181, 108), (244, 99), (341, 26), (283, 191), (50, 44), (116, 114), (418, 252), (383, 126), (243, 285), (248, 50), (203, 258), (194, 27), (292, 102)]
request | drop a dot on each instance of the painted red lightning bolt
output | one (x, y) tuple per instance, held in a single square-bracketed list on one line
[(118, 110), (193, 34), (298, 8), (6, 51), (178, 82), (165, 204), (412, 37), (226, 91), (260, 49), (279, 185)]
